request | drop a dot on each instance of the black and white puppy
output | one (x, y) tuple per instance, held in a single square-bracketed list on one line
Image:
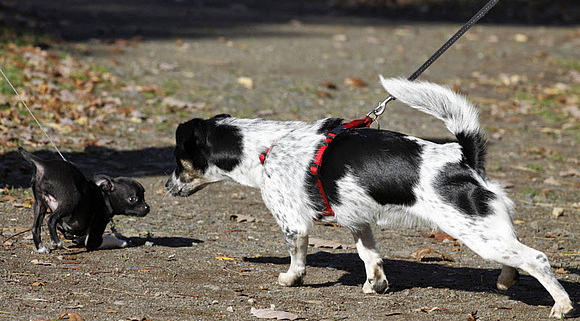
[(369, 176), (80, 208)]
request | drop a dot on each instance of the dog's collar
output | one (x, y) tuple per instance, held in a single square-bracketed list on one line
[(317, 162)]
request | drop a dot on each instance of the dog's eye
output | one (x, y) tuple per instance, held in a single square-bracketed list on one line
[(133, 199)]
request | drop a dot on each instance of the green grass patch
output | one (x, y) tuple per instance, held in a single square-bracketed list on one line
[(16, 77), (529, 191), (535, 167), (567, 63), (171, 87)]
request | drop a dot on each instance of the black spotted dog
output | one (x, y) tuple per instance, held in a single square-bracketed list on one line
[(369, 176)]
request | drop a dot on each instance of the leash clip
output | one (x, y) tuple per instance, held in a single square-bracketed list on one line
[(380, 109)]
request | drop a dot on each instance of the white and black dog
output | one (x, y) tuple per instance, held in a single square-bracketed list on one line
[(369, 176)]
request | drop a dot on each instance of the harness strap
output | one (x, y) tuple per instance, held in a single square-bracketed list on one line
[(318, 156)]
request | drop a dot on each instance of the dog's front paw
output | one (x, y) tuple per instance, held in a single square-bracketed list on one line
[(111, 242), (562, 310), (57, 245), (42, 249), (380, 286), (289, 279)]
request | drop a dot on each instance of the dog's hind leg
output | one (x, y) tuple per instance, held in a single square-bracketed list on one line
[(506, 278), (297, 242), (51, 222), (40, 209), (498, 243), (365, 244)]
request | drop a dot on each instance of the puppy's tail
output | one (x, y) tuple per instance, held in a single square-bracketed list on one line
[(34, 160), (459, 115)]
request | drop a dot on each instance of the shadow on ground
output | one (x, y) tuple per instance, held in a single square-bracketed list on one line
[(80, 20), (163, 241), (404, 275)]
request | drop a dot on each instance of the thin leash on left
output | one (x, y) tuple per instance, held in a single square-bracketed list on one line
[(32, 114)]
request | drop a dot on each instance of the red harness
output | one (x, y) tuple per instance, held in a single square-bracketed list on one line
[(317, 162)]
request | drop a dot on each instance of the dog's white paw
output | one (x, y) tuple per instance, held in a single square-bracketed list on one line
[(507, 278), (42, 249), (289, 279), (111, 242), (56, 246), (562, 310), (380, 286)]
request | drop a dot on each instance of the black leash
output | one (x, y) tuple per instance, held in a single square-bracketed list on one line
[(482, 12)]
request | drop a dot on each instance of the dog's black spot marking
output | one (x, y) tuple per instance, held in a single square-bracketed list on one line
[(473, 146), (225, 145), (456, 185), (542, 258), (385, 163)]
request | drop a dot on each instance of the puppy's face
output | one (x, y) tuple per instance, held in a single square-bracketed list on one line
[(126, 196), (203, 150)]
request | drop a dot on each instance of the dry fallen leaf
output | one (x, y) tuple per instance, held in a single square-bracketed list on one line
[(224, 258), (323, 94), (430, 255), (440, 237), (472, 316), (181, 104), (39, 262), (556, 235), (340, 38), (71, 316), (273, 314), (354, 82), (429, 310), (552, 181), (329, 85), (521, 37), (246, 82), (561, 270), (243, 218), (557, 212), (570, 173)]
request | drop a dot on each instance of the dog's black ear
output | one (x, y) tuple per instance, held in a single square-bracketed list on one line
[(193, 130), (221, 116), (104, 182)]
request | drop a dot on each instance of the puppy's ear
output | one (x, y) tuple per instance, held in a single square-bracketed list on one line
[(104, 182)]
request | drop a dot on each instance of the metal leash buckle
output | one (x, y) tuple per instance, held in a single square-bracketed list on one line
[(379, 110)]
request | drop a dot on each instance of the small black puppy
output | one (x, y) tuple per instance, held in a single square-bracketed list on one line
[(80, 208)]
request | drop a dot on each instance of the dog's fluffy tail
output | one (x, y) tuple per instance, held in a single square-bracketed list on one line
[(459, 115)]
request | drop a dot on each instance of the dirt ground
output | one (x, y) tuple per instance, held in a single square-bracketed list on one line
[(189, 259)]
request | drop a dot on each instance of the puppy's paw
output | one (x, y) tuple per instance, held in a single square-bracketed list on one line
[(379, 286), (111, 242), (562, 310), (42, 249), (57, 245), (289, 279)]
